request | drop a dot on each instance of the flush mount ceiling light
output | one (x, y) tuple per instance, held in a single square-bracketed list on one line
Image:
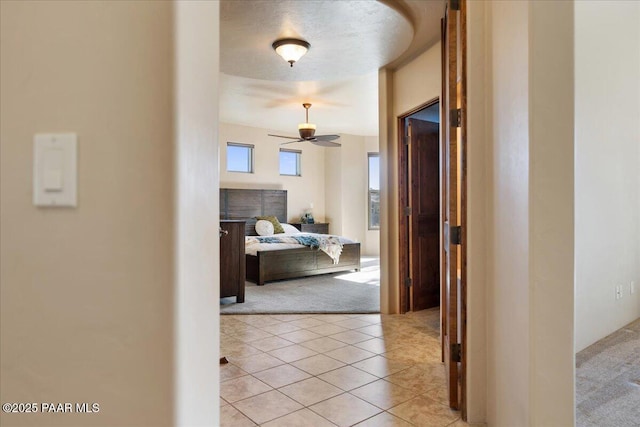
[(291, 49)]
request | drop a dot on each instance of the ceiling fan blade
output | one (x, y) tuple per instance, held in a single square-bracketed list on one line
[(282, 136), (306, 134), (326, 137), (324, 143)]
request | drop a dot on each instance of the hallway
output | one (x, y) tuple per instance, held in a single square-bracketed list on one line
[(333, 369)]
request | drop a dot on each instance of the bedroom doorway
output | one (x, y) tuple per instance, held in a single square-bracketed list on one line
[(419, 177)]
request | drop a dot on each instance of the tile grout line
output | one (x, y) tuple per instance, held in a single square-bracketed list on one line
[(411, 326)]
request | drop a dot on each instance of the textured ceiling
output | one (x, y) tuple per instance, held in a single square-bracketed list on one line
[(349, 40)]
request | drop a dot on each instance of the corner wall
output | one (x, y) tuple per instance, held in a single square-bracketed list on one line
[(87, 292), (528, 53), (508, 304), (607, 155), (479, 167), (346, 191), (197, 243)]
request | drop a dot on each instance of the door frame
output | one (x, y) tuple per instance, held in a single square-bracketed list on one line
[(454, 144), (404, 225)]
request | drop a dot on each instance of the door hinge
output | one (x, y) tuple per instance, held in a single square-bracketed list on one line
[(406, 140), (455, 4), (456, 352), (408, 282), (456, 117), (407, 210), (455, 235)]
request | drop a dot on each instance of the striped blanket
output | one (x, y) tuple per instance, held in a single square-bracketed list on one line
[(330, 245)]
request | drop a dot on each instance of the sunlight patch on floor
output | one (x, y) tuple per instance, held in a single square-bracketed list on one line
[(369, 274)]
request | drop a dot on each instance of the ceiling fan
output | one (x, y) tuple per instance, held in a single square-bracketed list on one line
[(307, 133)]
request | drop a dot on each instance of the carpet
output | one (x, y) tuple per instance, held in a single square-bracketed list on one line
[(344, 292), (608, 380)]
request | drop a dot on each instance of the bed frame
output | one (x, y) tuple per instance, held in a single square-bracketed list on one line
[(265, 266)]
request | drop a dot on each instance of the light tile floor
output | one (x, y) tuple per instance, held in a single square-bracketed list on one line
[(333, 370)]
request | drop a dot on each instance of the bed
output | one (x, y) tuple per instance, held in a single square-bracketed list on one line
[(269, 265)]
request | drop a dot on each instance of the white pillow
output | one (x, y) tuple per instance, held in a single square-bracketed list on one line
[(289, 229), (264, 228)]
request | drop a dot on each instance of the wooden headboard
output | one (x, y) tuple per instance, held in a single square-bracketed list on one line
[(236, 203)]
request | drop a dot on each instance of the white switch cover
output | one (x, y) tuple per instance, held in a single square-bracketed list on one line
[(55, 169)]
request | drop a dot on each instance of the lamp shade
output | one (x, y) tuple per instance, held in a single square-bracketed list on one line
[(291, 49)]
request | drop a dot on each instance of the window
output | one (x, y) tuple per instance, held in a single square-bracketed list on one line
[(239, 157), (374, 191), (290, 162)]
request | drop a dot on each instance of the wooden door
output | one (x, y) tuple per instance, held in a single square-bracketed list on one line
[(424, 201), (454, 207)]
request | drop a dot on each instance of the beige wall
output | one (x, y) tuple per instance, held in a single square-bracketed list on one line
[(301, 190), (86, 306), (551, 214), (197, 250), (528, 143), (346, 191), (333, 190), (607, 178), (508, 305), (479, 165), (418, 81), (354, 187)]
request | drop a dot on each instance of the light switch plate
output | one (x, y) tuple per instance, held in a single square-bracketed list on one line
[(55, 169)]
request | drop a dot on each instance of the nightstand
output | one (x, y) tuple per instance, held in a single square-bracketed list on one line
[(318, 227)]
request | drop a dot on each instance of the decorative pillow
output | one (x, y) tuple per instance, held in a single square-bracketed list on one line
[(289, 229), (264, 228), (277, 227)]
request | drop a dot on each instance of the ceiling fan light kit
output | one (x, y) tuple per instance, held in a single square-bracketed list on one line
[(306, 132), (291, 50)]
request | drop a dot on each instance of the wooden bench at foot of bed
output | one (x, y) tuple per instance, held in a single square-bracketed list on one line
[(295, 263)]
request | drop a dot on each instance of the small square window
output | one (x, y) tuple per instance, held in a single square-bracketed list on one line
[(239, 157), (290, 162)]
